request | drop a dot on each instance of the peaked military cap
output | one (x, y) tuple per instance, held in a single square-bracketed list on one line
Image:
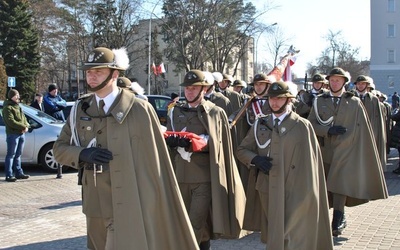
[(123, 82), (195, 78), (337, 72), (318, 78), (239, 83), (227, 77), (260, 78), (279, 89), (362, 78), (101, 57)]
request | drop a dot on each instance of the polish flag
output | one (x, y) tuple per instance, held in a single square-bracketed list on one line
[(287, 74), (160, 69), (153, 67)]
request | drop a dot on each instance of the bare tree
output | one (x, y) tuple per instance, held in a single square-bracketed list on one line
[(339, 54)]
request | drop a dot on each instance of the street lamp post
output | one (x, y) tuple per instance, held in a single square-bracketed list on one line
[(256, 46), (149, 66)]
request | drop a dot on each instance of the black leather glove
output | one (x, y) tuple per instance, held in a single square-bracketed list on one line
[(172, 141), (263, 163), (95, 155), (337, 130), (184, 142)]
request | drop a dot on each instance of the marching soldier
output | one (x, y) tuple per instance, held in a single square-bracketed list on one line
[(352, 166), (233, 96), (206, 170), (306, 99), (282, 151), (131, 201), (216, 97), (374, 111)]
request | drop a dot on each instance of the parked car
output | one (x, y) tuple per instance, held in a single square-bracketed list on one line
[(39, 139), (67, 109), (160, 104)]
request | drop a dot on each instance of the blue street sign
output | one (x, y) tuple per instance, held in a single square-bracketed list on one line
[(11, 81)]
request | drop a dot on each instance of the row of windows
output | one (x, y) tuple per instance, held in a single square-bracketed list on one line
[(391, 6)]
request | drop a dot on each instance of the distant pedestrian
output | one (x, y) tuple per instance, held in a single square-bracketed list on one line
[(395, 100), (38, 102), (16, 127), (53, 103)]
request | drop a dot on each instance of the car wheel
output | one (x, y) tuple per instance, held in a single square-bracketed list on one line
[(47, 160)]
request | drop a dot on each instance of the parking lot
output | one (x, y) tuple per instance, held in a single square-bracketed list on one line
[(45, 213)]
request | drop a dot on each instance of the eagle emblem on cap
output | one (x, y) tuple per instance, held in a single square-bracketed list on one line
[(91, 57), (191, 76)]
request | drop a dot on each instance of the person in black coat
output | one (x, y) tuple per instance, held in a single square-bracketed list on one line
[(395, 137), (38, 102)]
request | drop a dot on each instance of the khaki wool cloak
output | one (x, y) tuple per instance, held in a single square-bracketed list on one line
[(297, 213), (374, 111), (144, 200), (228, 197), (352, 164)]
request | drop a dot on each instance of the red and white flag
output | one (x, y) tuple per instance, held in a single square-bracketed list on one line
[(153, 67), (160, 69), (287, 74)]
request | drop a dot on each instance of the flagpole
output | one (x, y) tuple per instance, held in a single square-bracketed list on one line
[(149, 72)]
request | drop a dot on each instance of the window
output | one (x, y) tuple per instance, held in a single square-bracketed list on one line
[(391, 6), (391, 30), (390, 80), (391, 55)]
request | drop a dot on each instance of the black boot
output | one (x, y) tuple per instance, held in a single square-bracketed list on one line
[(337, 226), (343, 223), (205, 245)]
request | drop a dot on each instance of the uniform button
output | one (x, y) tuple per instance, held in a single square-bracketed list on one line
[(73, 164), (99, 132)]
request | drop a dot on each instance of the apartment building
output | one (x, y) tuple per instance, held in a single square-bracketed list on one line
[(385, 45)]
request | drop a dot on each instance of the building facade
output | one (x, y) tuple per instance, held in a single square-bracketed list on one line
[(172, 78), (385, 45)]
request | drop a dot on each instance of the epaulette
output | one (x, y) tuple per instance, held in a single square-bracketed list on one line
[(325, 95), (85, 96), (171, 105), (349, 93)]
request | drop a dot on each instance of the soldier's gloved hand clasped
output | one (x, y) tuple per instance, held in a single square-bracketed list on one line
[(263, 163), (172, 141), (184, 142), (96, 155), (337, 130)]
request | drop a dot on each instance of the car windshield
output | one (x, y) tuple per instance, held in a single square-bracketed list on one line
[(42, 116)]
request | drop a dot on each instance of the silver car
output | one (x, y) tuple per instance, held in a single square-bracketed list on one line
[(39, 139)]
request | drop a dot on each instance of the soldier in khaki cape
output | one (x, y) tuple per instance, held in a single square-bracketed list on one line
[(233, 96), (305, 101), (131, 201), (283, 150), (374, 111), (208, 177), (352, 166)]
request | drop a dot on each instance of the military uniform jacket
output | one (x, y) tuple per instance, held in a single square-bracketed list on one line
[(139, 190), (234, 98), (228, 197), (352, 164), (375, 115), (221, 101), (295, 186), (253, 111)]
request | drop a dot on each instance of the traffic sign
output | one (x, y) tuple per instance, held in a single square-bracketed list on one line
[(11, 81)]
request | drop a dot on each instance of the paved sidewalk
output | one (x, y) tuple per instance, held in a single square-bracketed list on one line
[(44, 213)]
